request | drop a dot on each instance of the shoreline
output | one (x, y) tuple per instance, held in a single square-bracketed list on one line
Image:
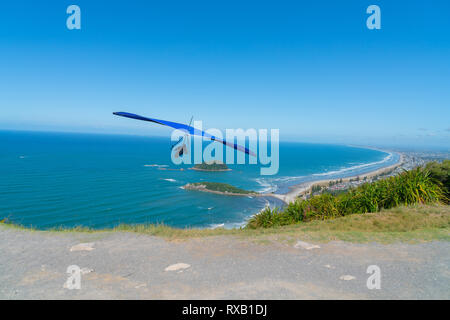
[(302, 189)]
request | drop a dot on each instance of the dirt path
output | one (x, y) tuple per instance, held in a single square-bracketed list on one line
[(131, 266)]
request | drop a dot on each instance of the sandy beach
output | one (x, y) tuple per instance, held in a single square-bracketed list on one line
[(304, 188)]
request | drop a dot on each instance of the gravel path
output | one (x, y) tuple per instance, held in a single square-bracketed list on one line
[(120, 265)]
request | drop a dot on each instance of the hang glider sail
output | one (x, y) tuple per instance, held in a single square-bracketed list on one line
[(190, 130)]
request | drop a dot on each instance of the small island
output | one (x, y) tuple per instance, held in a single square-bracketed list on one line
[(219, 188), (211, 166)]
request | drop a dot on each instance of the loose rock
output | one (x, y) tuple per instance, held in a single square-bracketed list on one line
[(306, 245), (89, 246), (177, 266)]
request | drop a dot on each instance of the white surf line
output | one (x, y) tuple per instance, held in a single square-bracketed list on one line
[(305, 187)]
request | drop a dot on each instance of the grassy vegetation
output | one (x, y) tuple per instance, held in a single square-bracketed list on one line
[(211, 166), (411, 223), (441, 173), (411, 187), (221, 187)]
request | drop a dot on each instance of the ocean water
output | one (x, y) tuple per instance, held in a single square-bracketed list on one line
[(60, 179)]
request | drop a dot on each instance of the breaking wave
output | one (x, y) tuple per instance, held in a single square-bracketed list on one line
[(354, 168)]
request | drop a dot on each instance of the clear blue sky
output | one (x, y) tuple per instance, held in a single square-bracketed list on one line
[(310, 68)]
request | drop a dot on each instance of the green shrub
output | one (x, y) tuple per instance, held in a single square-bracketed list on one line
[(410, 187), (268, 218), (441, 172)]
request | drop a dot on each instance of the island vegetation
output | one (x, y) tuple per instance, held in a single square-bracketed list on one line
[(217, 187), (211, 166)]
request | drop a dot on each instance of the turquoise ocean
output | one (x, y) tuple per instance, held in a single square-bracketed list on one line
[(64, 179)]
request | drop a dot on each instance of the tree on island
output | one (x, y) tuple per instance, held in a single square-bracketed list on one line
[(211, 166), (217, 187)]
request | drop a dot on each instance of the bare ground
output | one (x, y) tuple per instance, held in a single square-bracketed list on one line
[(126, 265)]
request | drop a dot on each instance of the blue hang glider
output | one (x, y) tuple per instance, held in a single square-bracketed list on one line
[(188, 129)]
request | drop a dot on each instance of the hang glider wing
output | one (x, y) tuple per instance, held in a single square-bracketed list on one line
[(188, 129)]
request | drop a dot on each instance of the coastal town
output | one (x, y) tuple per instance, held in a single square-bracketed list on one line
[(409, 160)]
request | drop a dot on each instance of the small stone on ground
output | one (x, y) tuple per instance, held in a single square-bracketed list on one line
[(177, 266), (306, 245), (86, 270), (89, 246)]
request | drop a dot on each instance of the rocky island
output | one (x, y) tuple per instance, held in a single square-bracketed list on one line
[(211, 166), (219, 188)]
